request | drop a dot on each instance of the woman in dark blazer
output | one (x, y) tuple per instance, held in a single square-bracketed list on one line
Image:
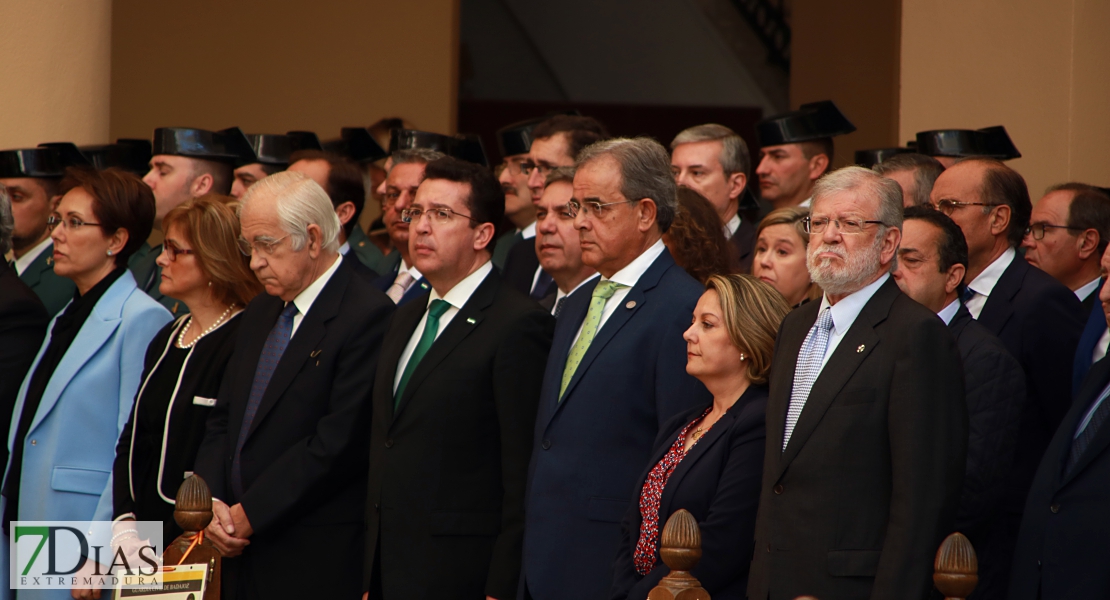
[(709, 460), (184, 363)]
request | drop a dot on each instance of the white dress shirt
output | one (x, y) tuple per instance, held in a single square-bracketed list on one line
[(844, 313), (25, 261), (456, 297), (560, 294), (947, 313), (307, 297), (345, 249), (1099, 352), (1089, 288), (401, 268), (984, 284), (732, 225), (529, 232), (628, 277), (805, 203)]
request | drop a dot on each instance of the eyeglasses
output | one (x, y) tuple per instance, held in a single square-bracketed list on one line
[(439, 215), (1037, 229), (516, 167), (260, 246), (846, 226), (172, 251), (588, 208), (949, 206), (71, 224), (527, 166)]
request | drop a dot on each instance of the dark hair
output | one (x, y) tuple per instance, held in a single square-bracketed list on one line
[(925, 169), (696, 238), (486, 201), (223, 174), (824, 146), (1003, 185), (120, 201), (952, 246), (1090, 209), (344, 182), (211, 226), (581, 131), (270, 169)]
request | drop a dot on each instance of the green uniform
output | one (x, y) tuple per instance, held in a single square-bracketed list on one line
[(368, 253), (54, 290), (148, 276), (504, 244)]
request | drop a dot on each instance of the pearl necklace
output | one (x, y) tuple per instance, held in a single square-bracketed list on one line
[(181, 336)]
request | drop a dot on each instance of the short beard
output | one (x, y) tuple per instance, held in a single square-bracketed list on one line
[(26, 243), (858, 270)]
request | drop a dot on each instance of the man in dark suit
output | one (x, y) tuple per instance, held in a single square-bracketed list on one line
[(1069, 229), (616, 373), (866, 421), (454, 399), (1036, 317), (713, 161), (286, 446), (1064, 541), (1094, 340), (404, 282), (514, 141), (557, 245), (932, 259)]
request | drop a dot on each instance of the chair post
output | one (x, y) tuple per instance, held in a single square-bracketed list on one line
[(680, 548), (957, 568), (193, 512)]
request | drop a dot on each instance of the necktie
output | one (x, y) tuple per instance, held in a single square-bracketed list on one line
[(275, 346), (967, 294), (427, 338), (559, 306), (1081, 441), (540, 289), (400, 285), (808, 368), (601, 295)]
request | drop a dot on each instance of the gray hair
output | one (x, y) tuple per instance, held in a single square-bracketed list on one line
[(925, 169), (416, 155), (645, 173), (559, 174), (734, 152), (300, 202), (7, 222), (853, 178)]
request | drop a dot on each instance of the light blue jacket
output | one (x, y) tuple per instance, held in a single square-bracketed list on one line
[(71, 445)]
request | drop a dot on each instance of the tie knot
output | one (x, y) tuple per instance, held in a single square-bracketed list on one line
[(289, 311), (437, 308), (825, 320), (606, 289), (404, 279)]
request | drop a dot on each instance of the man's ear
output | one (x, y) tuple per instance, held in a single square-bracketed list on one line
[(736, 184), (647, 214), (345, 212), (818, 164), (1087, 243), (954, 278), (1000, 219), (483, 236), (201, 185), (315, 243)]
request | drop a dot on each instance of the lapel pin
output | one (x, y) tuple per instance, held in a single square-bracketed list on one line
[(49, 260), (316, 353), (630, 304), (471, 321), (860, 349), (423, 286)]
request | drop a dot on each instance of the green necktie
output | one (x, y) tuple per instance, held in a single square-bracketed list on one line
[(427, 338), (601, 295)]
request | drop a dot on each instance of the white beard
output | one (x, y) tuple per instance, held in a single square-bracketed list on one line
[(857, 271)]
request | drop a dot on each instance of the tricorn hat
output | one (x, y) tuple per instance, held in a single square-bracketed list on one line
[(129, 154), (874, 156), (228, 145), (360, 146), (272, 148), (44, 161), (517, 138), (812, 121), (991, 142), (414, 139), (468, 147), (305, 140)]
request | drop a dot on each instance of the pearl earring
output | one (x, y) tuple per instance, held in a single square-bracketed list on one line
[(209, 284), (742, 357), (109, 253)]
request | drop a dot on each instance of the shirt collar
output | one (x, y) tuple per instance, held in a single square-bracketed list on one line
[(560, 293), (985, 282), (529, 232), (463, 290), (633, 271), (732, 225), (844, 313), (25, 261), (947, 313), (307, 297), (411, 269), (1088, 289), (345, 248)]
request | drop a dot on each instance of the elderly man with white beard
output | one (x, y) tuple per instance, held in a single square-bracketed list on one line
[(866, 423)]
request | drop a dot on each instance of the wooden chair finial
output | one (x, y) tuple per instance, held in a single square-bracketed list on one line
[(956, 567), (193, 508), (680, 548)]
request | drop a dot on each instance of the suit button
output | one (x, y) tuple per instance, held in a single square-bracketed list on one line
[(777, 489), (1055, 508), (34, 443), (389, 443), (546, 444)]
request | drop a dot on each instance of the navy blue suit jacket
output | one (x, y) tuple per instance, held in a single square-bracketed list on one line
[(718, 481), (591, 447), (417, 289), (1064, 541), (1096, 325), (1039, 320)]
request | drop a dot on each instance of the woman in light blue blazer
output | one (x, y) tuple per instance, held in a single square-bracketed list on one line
[(77, 396)]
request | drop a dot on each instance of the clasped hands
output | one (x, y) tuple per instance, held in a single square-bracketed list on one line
[(230, 529)]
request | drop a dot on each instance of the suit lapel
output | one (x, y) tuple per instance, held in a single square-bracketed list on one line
[(999, 308), (404, 324), (1096, 382), (787, 346), (714, 435), (32, 275), (419, 288), (566, 327), (856, 345), (467, 320)]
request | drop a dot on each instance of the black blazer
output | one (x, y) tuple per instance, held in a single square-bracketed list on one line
[(995, 392), (743, 244), (857, 504), (1065, 530), (304, 460), (1040, 322), (23, 322), (188, 411), (718, 482), (447, 470), (358, 267), (1092, 332)]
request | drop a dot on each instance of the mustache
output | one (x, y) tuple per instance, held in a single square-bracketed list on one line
[(508, 189), (830, 248)]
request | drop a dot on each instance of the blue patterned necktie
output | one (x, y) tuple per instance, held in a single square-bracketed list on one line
[(807, 370), (1081, 441), (275, 346), (539, 290)]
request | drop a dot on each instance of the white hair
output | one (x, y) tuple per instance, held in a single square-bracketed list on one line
[(300, 202), (7, 222)]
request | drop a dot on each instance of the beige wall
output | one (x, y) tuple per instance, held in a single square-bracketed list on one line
[(847, 51), (1039, 67), (54, 76), (278, 65)]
